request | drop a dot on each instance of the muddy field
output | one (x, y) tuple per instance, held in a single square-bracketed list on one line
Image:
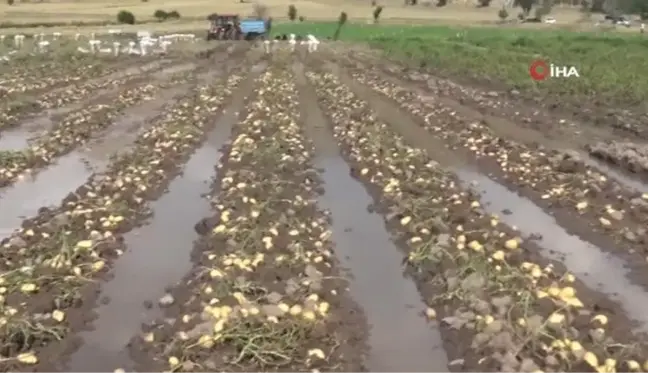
[(323, 212)]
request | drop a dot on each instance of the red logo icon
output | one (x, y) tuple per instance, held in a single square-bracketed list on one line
[(539, 70)]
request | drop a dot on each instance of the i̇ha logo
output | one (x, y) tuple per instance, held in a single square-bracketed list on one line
[(540, 70)]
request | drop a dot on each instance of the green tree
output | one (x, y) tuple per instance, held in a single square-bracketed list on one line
[(503, 14), (376, 13), (292, 12), (124, 16), (342, 19), (160, 15)]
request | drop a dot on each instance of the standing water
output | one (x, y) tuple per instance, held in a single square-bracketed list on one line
[(25, 197), (401, 339), (50, 186), (597, 269), (159, 255)]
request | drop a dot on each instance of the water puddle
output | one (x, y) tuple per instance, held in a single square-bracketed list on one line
[(48, 187), (158, 255), (401, 339), (121, 134), (51, 185), (597, 269), (18, 138)]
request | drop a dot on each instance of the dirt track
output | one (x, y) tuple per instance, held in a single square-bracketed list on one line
[(240, 213)]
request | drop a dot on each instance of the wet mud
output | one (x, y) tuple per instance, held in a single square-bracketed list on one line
[(540, 174), (53, 183), (46, 188), (630, 157), (161, 249), (445, 230), (400, 337), (597, 268), (158, 256)]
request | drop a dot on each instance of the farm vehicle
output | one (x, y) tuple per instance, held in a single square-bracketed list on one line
[(231, 27)]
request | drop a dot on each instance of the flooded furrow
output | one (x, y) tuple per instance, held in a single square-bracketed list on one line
[(563, 138), (400, 339), (51, 185), (599, 270), (137, 119), (18, 137), (24, 198), (158, 255)]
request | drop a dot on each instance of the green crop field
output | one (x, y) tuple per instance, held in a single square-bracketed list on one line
[(611, 66)]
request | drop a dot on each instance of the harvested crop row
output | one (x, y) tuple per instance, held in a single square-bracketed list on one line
[(501, 309), (48, 264), (264, 294), (551, 178), (16, 111), (33, 79), (73, 130)]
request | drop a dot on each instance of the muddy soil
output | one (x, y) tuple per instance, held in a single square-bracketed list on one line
[(541, 122), (370, 148), (559, 167), (187, 124), (281, 213), (501, 101)]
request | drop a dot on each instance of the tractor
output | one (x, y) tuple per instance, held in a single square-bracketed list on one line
[(223, 27), (230, 27)]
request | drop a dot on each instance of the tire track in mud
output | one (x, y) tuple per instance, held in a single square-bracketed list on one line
[(399, 337), (170, 233), (261, 293), (501, 306), (96, 215), (601, 212), (600, 271)]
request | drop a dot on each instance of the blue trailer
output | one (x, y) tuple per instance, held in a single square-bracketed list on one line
[(253, 28)]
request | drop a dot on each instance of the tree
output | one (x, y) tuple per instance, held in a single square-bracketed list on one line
[(441, 3), (160, 15), (483, 3), (292, 12), (302, 18), (10, 2), (212, 17), (173, 14), (525, 5), (341, 21), (376, 13), (503, 14), (124, 16)]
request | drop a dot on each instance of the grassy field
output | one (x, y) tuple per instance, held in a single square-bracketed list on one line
[(97, 12), (610, 65)]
